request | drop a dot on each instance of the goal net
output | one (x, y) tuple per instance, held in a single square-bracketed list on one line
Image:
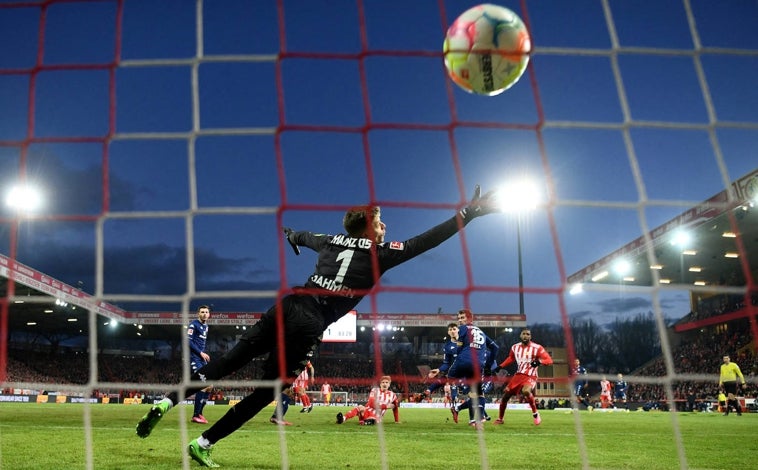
[(171, 142)]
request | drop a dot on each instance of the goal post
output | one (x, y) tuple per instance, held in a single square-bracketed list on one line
[(337, 399)]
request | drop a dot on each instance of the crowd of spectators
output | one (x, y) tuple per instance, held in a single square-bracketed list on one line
[(716, 305), (354, 373), (702, 356)]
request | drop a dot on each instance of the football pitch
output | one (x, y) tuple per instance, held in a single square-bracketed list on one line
[(52, 436)]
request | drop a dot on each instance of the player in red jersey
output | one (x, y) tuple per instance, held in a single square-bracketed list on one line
[(379, 401), (301, 385), (528, 356), (605, 393), (448, 389)]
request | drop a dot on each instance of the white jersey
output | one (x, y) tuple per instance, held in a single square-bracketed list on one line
[(524, 356), (303, 377), (377, 398), (302, 380)]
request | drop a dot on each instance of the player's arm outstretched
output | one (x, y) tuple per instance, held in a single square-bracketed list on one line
[(477, 207), (508, 360)]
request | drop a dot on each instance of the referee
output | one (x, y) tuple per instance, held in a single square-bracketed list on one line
[(728, 382)]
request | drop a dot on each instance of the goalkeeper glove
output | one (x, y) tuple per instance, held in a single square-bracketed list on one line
[(290, 234), (535, 363), (479, 205)]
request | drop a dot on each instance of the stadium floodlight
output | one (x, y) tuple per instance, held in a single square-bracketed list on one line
[(576, 289), (681, 238), (520, 195), (24, 198), (599, 276), (622, 267)]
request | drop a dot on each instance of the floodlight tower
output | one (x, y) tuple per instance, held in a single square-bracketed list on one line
[(519, 197)]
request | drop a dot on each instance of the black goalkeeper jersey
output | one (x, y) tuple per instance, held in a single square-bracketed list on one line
[(347, 267)]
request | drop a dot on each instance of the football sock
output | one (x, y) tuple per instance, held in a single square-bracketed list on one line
[(532, 404), (204, 443), (503, 405)]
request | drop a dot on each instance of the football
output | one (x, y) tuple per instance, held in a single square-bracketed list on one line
[(486, 49)]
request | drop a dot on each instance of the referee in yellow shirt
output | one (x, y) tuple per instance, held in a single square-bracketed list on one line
[(728, 382)]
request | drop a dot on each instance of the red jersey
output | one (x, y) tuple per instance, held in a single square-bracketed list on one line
[(377, 398), (605, 388), (523, 356), (302, 380)]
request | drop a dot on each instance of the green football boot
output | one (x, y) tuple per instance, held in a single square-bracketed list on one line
[(200, 455), (151, 418)]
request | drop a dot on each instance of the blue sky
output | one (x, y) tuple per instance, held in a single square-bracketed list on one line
[(206, 156)]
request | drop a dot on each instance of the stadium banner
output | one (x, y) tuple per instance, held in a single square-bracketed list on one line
[(489, 406), (56, 399)]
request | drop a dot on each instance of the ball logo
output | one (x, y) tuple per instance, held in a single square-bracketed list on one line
[(485, 64)]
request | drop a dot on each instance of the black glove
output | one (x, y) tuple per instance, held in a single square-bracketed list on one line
[(479, 205), (487, 372), (289, 233), (535, 363)]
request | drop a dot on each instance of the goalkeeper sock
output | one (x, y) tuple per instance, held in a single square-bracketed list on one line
[(204, 443)]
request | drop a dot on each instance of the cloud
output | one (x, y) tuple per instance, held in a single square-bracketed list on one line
[(674, 302), (624, 305), (155, 269)]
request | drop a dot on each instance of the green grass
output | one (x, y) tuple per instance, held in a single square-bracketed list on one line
[(51, 436)]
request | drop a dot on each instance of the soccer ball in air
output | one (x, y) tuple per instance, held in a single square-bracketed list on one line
[(486, 49)]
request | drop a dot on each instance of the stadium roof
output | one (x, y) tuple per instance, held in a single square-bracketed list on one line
[(723, 241)]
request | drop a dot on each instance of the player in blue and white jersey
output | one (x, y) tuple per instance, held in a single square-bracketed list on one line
[(619, 391), (450, 352), (476, 356), (581, 386), (197, 334)]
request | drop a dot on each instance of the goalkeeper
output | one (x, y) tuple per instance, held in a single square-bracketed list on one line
[(348, 267), (528, 356)]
